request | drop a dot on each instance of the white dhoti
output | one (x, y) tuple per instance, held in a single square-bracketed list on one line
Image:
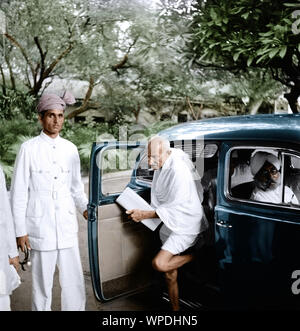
[(70, 278), (175, 243)]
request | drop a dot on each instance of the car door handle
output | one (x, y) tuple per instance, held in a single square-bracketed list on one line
[(224, 224), (91, 212)]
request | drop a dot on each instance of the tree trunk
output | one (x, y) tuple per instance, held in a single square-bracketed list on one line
[(3, 80), (292, 98), (11, 74), (191, 110), (137, 113), (254, 106), (38, 85), (85, 103)]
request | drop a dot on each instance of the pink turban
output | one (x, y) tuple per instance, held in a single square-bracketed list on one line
[(53, 101), (259, 159)]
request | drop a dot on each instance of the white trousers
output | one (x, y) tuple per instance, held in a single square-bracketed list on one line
[(70, 278), (4, 303)]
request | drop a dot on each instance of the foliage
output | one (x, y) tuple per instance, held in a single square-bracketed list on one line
[(129, 50), (12, 134), (237, 35), (253, 87), (83, 137), (16, 103), (156, 127), (134, 54)]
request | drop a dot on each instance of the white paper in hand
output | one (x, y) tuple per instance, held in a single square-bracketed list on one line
[(131, 200)]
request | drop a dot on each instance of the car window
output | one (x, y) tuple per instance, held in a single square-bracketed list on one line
[(116, 165), (144, 174), (292, 175), (264, 175)]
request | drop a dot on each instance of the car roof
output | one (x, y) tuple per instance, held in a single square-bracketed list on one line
[(267, 127)]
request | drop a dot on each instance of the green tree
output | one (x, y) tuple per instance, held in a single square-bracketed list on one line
[(38, 35), (241, 34), (70, 39), (132, 51)]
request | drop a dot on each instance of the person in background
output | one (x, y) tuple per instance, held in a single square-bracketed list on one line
[(9, 256), (240, 167), (46, 187)]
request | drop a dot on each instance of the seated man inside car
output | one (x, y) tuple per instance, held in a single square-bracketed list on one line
[(175, 201), (266, 168)]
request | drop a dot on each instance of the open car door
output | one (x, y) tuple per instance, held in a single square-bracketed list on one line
[(120, 250)]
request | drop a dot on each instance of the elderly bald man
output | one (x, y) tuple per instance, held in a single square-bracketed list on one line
[(265, 168), (46, 187), (176, 202)]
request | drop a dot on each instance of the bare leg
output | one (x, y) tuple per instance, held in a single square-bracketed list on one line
[(165, 261), (168, 263), (172, 284)]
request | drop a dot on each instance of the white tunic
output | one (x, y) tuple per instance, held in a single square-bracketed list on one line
[(274, 196), (9, 278), (174, 196), (46, 186)]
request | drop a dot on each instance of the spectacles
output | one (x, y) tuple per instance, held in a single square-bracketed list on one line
[(26, 260), (272, 171)]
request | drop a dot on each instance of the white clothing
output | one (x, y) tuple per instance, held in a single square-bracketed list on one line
[(174, 196), (176, 243), (5, 303), (70, 278), (274, 196), (45, 185), (9, 278)]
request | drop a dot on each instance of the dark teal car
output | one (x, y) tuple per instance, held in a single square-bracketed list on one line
[(250, 255)]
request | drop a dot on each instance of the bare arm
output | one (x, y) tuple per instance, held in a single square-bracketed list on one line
[(138, 215)]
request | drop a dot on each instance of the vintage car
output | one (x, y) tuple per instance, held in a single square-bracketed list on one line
[(249, 257)]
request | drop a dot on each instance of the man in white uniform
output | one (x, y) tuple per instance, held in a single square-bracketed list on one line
[(176, 202), (46, 187), (9, 256)]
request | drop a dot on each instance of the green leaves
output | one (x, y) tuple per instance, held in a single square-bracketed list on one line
[(248, 35), (245, 15), (283, 51), (213, 14), (236, 55), (249, 61), (273, 52)]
